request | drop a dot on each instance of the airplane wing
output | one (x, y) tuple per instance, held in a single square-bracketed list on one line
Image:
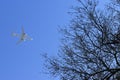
[(23, 30), (19, 41)]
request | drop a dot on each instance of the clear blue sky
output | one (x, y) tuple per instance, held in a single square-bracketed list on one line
[(40, 19)]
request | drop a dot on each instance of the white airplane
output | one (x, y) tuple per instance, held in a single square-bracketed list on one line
[(22, 37)]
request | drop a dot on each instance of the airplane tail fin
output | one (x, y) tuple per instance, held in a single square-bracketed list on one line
[(15, 34)]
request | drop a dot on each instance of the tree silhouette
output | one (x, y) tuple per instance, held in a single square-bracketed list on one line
[(90, 48)]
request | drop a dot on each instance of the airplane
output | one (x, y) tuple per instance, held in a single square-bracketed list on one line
[(22, 37)]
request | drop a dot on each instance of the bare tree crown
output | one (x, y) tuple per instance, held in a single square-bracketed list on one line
[(92, 50)]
